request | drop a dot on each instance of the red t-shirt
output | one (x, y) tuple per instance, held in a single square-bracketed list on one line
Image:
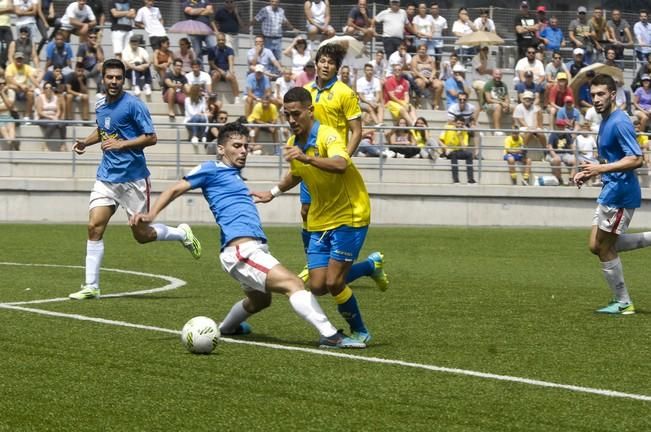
[(399, 87)]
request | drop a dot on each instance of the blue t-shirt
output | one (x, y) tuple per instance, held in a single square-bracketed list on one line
[(616, 140), (220, 56), (554, 36), (59, 56), (124, 119), (257, 86), (573, 115), (452, 84), (229, 199), (523, 86)]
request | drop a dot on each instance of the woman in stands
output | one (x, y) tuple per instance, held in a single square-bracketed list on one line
[(642, 102), (7, 125), (424, 141), (186, 54), (423, 68), (300, 54), (163, 57), (196, 111), (401, 141), (49, 107)]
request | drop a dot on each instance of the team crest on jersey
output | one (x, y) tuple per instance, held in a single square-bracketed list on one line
[(330, 96), (107, 122)]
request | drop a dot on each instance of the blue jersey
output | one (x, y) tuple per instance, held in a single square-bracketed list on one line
[(616, 140), (229, 199), (125, 119)]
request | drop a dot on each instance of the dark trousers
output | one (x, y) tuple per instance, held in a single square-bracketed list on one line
[(391, 45), (454, 156)]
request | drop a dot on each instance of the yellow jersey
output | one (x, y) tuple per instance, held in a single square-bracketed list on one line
[(337, 199), (453, 138), (512, 144), (261, 115), (643, 141), (334, 105)]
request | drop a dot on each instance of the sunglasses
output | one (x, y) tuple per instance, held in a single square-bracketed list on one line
[(531, 52)]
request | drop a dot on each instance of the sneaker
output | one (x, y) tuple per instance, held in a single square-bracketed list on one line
[(339, 340), (242, 330), (136, 90), (194, 140), (379, 276), (617, 308), (147, 89), (364, 337), (191, 243), (204, 139), (87, 292), (304, 275), (237, 100)]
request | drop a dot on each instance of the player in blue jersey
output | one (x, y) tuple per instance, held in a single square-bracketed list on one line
[(619, 156), (124, 129), (244, 250)]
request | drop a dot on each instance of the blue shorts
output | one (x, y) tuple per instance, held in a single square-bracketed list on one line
[(306, 198), (340, 244), (516, 156)]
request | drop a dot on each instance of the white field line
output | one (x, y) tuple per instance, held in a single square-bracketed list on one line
[(455, 371)]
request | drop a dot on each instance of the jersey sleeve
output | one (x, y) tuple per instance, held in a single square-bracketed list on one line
[(198, 175), (350, 104), (628, 138), (334, 145), (142, 118)]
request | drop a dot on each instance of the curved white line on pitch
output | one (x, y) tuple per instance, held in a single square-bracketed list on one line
[(173, 283)]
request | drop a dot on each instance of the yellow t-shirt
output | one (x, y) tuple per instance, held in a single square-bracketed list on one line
[(511, 144), (337, 199), (453, 138), (334, 105), (643, 141), (261, 115), (20, 75)]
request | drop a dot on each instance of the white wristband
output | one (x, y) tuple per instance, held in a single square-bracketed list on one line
[(275, 191)]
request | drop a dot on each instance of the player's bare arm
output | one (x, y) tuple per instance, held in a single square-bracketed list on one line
[(169, 195), (142, 141), (355, 127), (82, 143), (589, 169), (286, 183), (335, 164)]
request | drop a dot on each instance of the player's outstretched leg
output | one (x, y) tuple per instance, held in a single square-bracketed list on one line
[(190, 242)]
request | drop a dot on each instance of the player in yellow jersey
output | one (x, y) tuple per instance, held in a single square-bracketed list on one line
[(340, 213)]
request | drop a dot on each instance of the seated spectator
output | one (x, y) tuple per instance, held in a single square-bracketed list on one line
[(91, 55), (25, 45), (560, 150), (307, 76), (174, 89), (447, 66), (57, 79), (360, 22), (215, 121), (367, 146), (23, 80), (586, 145), (529, 85), (162, 58), (299, 53), (496, 100), (515, 151), (78, 19), (643, 141), (186, 54), (620, 33), (198, 77), (7, 124), (401, 141), (529, 116), (49, 109), (456, 84), (59, 53), (281, 86), (555, 67), (568, 117), (403, 58), (592, 117), (396, 97), (77, 92), (529, 63), (423, 69), (577, 62), (464, 109), (259, 55), (610, 58), (137, 62), (196, 111), (552, 36), (642, 102), (584, 96), (369, 91), (380, 66), (482, 66), (257, 86), (345, 76), (150, 18), (483, 22), (317, 15), (644, 69), (264, 112), (424, 141), (222, 65), (454, 145)]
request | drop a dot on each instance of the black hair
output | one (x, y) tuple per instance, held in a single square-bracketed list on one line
[(113, 64), (231, 129), (298, 94), (606, 80), (335, 52)]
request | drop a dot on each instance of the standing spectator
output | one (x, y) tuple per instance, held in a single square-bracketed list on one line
[(264, 112), (7, 123), (552, 36), (423, 69), (529, 116), (26, 13), (557, 95), (581, 35), (599, 31), (78, 19), (260, 55), (186, 54), (136, 59), (642, 102), (257, 86), (25, 45), (272, 19), (163, 57), (97, 7), (525, 30), (642, 31), (396, 97), (299, 53), (394, 20), (369, 90), (619, 33), (423, 25), (196, 111), (59, 53), (496, 99), (77, 92), (122, 16), (577, 62), (456, 84), (6, 36), (222, 65), (91, 55), (317, 15), (516, 152), (454, 145), (23, 79), (149, 18), (227, 20), (461, 27), (410, 34), (484, 23), (174, 88), (307, 76), (438, 31), (201, 11), (360, 22), (198, 77), (48, 110)]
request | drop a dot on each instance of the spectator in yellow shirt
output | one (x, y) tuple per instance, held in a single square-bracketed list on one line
[(454, 145), (264, 112), (514, 151)]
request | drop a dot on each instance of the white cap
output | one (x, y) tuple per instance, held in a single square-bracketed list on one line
[(259, 68), (578, 51), (458, 68), (527, 95)]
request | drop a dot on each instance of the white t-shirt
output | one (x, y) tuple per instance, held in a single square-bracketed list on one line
[(22, 20), (151, 19), (73, 11), (283, 86), (393, 23), (585, 144), (528, 115), (461, 27), (368, 89), (537, 68), (299, 60), (203, 80), (488, 26), (396, 59), (380, 71), (423, 24), (594, 118), (440, 24)]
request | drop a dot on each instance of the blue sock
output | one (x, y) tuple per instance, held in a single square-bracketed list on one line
[(362, 268), (349, 310), (305, 236)]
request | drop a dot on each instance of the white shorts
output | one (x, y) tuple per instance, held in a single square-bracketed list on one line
[(120, 39), (612, 219), (249, 263), (133, 196)]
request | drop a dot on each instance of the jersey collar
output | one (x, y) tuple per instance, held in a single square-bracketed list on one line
[(311, 138), (327, 86)]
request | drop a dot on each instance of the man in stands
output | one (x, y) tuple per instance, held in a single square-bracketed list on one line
[(271, 19), (227, 20), (78, 19), (174, 88), (496, 99), (360, 23), (257, 87), (259, 54), (222, 65), (198, 77)]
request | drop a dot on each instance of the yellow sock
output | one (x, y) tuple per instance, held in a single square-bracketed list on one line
[(343, 296)]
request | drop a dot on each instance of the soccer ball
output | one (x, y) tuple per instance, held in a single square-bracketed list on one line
[(200, 335)]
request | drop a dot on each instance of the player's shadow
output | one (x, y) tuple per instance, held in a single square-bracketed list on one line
[(303, 342)]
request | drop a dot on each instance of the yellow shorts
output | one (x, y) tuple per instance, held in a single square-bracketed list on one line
[(394, 108)]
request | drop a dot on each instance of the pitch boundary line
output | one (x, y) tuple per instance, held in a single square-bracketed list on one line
[(18, 306)]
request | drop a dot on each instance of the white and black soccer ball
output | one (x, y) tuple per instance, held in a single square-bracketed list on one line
[(200, 335)]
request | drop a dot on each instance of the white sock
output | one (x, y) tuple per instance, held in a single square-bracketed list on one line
[(234, 318), (614, 274), (306, 306), (627, 242), (94, 255), (164, 232)]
